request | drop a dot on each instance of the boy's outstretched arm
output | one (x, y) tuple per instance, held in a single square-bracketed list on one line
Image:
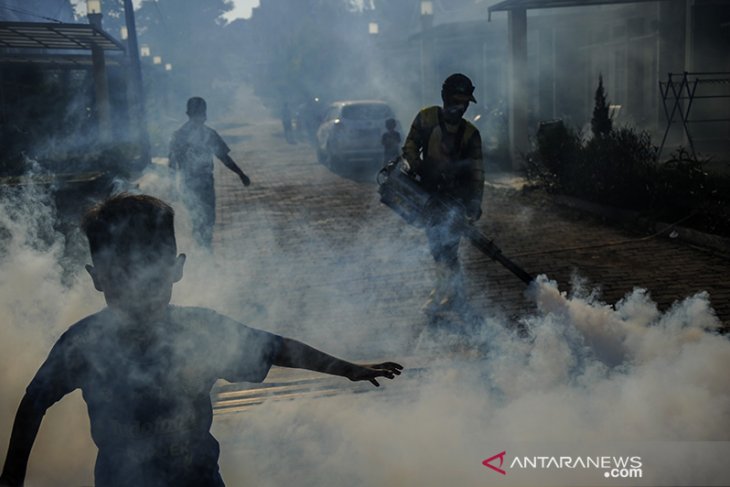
[(231, 164), (298, 355), (27, 422)]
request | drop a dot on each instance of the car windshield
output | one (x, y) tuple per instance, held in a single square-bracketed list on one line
[(366, 112)]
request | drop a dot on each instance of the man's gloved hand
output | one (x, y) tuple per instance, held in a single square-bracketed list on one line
[(407, 168), (474, 210), (245, 179)]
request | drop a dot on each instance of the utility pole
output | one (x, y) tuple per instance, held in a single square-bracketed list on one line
[(137, 91), (101, 84), (426, 50)]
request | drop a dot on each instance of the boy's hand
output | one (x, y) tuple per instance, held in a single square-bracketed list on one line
[(245, 179), (370, 372)]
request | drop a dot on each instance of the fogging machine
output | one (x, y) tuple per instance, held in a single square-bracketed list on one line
[(404, 195)]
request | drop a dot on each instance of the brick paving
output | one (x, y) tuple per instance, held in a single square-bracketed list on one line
[(323, 243)]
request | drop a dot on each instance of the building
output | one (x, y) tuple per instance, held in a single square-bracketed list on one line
[(558, 49), (63, 85)]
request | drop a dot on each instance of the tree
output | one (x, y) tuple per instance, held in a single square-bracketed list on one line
[(601, 123), (113, 19), (303, 49), (189, 35)]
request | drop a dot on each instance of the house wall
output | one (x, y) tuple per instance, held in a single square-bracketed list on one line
[(633, 47)]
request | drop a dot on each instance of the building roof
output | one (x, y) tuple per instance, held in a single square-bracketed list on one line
[(507, 5), (469, 29), (55, 60), (40, 35)]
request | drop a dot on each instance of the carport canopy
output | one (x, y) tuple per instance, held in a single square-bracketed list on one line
[(38, 35), (63, 45), (508, 5)]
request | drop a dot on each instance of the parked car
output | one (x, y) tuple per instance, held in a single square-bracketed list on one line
[(351, 132)]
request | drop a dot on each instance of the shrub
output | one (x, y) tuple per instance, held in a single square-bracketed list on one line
[(621, 168), (601, 123), (684, 187), (556, 163), (617, 168)]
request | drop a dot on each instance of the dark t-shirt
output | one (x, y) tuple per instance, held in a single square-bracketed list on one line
[(191, 152), (147, 389), (391, 143), (391, 140)]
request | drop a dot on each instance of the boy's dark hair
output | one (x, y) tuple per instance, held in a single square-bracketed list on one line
[(196, 106), (390, 124), (131, 226)]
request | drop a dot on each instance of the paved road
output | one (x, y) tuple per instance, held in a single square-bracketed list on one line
[(325, 238), (328, 264)]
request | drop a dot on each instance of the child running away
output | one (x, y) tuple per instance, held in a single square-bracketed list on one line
[(146, 368)]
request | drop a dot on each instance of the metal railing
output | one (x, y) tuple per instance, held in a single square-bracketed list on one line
[(679, 94)]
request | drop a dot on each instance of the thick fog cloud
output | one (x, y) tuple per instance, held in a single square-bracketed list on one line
[(591, 379), (609, 377)]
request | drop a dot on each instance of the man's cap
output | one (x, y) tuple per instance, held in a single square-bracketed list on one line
[(458, 84), (196, 106)]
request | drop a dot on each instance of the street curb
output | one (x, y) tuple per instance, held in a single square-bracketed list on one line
[(688, 235)]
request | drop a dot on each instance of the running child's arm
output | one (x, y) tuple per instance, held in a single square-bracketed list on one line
[(296, 354), (27, 422), (231, 164)]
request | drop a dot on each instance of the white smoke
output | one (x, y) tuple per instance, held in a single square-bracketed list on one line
[(588, 372), (38, 303), (665, 383)]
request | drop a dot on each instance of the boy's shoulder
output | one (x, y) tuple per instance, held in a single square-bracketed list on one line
[(196, 313), (189, 127), (91, 323), (107, 320), (89, 330), (102, 325), (193, 319), (203, 320)]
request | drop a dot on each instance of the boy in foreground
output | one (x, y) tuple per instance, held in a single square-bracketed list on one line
[(145, 367)]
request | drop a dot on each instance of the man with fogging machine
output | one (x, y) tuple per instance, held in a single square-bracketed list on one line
[(444, 154), (191, 154)]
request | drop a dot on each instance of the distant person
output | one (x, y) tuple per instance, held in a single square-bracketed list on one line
[(444, 153), (286, 123), (146, 368), (191, 154), (391, 141), (312, 112)]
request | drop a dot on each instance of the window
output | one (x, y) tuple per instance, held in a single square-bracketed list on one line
[(367, 112)]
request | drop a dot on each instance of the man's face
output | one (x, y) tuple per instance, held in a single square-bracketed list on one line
[(137, 286), (455, 108)]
